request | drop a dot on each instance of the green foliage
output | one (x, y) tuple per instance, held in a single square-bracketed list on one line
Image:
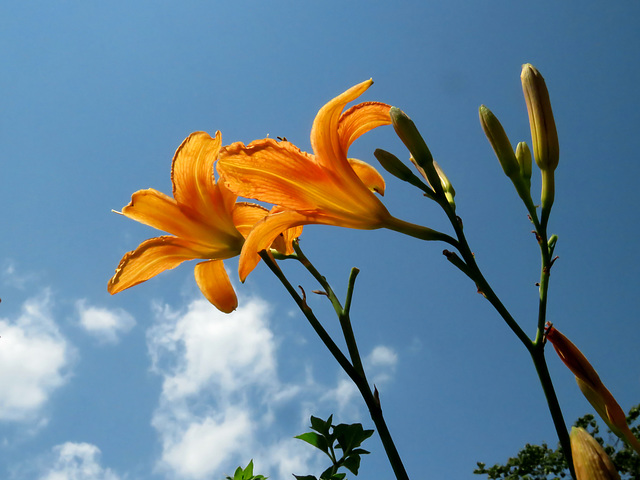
[(246, 473), (539, 462), (329, 438)]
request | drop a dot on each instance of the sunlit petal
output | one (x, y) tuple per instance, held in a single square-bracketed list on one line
[(160, 211), (325, 139), (214, 283), (361, 118), (152, 257), (192, 172), (246, 215), (274, 172), (368, 175), (263, 235)]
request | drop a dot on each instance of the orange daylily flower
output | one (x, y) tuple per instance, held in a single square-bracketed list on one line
[(592, 387), (204, 221), (324, 188)]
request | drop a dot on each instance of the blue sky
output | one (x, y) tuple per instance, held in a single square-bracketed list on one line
[(153, 383)]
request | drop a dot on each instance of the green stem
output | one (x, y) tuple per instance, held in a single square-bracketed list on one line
[(554, 406), (355, 373)]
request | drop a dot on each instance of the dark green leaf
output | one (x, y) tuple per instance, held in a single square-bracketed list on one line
[(318, 441)]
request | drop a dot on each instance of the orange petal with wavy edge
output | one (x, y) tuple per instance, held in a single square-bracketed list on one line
[(152, 257), (192, 173), (246, 215), (360, 119), (214, 283), (325, 139), (279, 173), (368, 175), (274, 172)]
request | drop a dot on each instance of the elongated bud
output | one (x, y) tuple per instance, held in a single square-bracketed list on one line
[(499, 141), (448, 189), (523, 155), (592, 387), (408, 133), (590, 461), (398, 169), (544, 136)]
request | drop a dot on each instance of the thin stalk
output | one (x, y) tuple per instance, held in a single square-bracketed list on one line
[(535, 348), (354, 373)]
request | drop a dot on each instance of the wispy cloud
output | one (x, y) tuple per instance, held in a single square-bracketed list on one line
[(76, 461), (106, 325), (223, 402), (35, 358)]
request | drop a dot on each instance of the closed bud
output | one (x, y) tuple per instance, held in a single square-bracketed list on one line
[(449, 191), (590, 461), (544, 136), (397, 168), (523, 155), (592, 387), (499, 141), (410, 136)]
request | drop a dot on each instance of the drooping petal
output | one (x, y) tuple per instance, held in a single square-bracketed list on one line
[(361, 118), (152, 257), (246, 215), (263, 235), (325, 139), (214, 283), (368, 175)]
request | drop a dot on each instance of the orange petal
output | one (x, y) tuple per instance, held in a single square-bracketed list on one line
[(368, 175), (160, 211), (274, 172), (215, 285), (152, 257), (325, 139), (361, 118), (192, 172), (263, 235), (246, 215)]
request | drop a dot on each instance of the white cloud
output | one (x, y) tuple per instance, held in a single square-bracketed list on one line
[(77, 461), (34, 358), (223, 403), (381, 363), (205, 445), (104, 324)]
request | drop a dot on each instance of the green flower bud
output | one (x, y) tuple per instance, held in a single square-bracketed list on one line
[(499, 141), (408, 133), (449, 191), (523, 155), (544, 136), (393, 165)]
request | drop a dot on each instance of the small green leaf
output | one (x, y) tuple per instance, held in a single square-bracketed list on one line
[(352, 464), (318, 441), (305, 477), (321, 426)]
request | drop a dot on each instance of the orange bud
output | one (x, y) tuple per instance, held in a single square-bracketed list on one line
[(589, 458), (592, 387)]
